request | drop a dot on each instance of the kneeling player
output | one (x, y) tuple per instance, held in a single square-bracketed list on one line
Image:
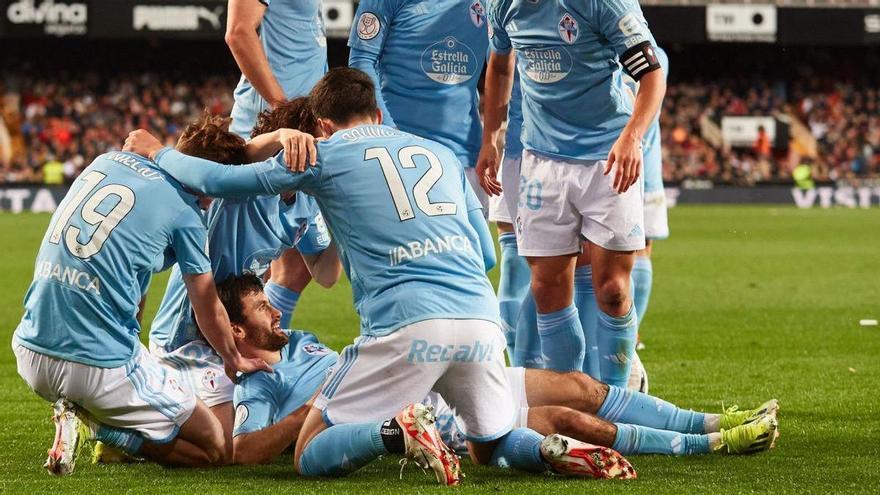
[(77, 344), (271, 408)]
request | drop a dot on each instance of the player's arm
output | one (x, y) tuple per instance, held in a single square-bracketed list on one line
[(216, 180), (324, 266), (496, 96), (215, 326), (261, 446), (368, 34), (242, 21), (298, 145), (478, 222), (624, 25)]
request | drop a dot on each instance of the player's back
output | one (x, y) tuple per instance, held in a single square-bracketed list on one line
[(122, 220), (397, 206)]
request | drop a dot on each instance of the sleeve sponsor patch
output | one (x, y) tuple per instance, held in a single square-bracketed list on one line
[(368, 26), (241, 415)]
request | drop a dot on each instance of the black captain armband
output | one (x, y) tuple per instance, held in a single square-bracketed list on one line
[(640, 60)]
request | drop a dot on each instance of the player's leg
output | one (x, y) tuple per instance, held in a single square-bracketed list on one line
[(289, 278), (588, 310), (513, 285), (367, 406), (199, 442), (642, 280), (527, 350), (549, 227)]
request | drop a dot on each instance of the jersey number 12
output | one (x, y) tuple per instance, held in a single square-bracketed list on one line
[(405, 157), (104, 222)]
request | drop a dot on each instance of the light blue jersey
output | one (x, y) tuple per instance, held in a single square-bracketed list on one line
[(292, 32), (122, 220), (428, 55), (262, 399), (574, 99), (407, 225), (244, 236), (513, 137)]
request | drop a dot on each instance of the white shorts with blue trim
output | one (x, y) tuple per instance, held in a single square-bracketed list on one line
[(656, 219), (462, 360), (563, 202), (502, 208), (201, 370), (471, 174), (142, 395)]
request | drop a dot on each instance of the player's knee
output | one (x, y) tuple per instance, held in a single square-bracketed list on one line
[(591, 392), (216, 451), (550, 294), (613, 295)]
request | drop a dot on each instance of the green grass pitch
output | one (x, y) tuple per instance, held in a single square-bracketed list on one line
[(749, 303)]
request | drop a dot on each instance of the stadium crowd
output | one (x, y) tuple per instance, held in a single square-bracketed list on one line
[(49, 131)]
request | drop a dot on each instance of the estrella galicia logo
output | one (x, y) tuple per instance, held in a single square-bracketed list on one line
[(449, 62), (315, 350), (568, 29), (258, 262), (477, 13), (546, 65)]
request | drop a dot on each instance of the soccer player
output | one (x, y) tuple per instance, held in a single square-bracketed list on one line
[(578, 129), (513, 285), (656, 221), (270, 408), (77, 345), (280, 47), (425, 59), (429, 317), (244, 236)]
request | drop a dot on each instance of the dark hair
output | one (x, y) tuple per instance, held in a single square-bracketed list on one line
[(209, 138), (292, 114), (344, 94), (232, 290)]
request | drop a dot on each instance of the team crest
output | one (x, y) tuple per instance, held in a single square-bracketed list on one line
[(568, 29), (210, 380), (315, 350), (368, 26), (477, 13)]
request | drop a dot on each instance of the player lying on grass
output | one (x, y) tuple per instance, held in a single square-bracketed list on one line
[(244, 236), (78, 342), (418, 271), (270, 408)]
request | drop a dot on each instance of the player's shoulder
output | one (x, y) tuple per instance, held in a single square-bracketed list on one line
[(141, 175)]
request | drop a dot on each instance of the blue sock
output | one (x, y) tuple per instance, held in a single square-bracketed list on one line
[(633, 439), (128, 441), (283, 299), (512, 287), (617, 343), (585, 300), (562, 339), (631, 407), (642, 277), (519, 449), (342, 449), (527, 350)]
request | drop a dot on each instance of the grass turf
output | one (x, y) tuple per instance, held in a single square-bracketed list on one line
[(749, 303)]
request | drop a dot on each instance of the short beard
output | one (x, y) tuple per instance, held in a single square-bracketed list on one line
[(275, 341)]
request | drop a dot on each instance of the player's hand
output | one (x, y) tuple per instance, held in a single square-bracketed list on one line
[(487, 169), (299, 149), (143, 143), (244, 365), (625, 159)]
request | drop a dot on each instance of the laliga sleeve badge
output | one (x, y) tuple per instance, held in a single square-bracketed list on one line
[(477, 13), (368, 26), (241, 415), (568, 29)]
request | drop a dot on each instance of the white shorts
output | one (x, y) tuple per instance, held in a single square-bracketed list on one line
[(462, 360), (502, 208), (201, 370), (656, 221), (471, 174), (451, 430), (564, 202), (141, 395)]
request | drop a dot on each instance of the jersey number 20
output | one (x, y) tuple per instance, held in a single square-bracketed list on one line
[(104, 223), (420, 189)]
